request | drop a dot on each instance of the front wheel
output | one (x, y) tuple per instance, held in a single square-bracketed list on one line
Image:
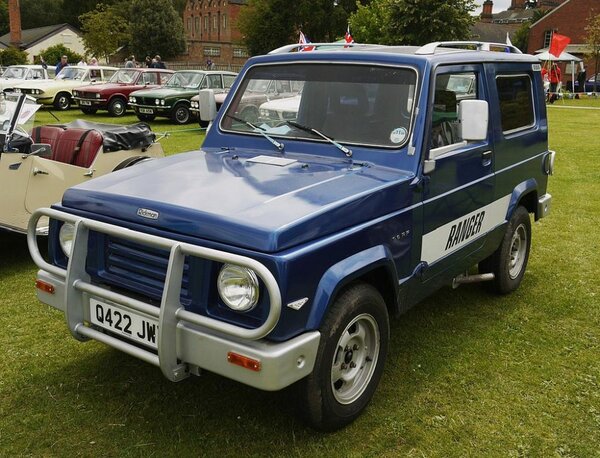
[(509, 261), (62, 101), (117, 107), (350, 359), (181, 114)]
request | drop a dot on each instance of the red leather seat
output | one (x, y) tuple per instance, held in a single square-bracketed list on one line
[(47, 134), (78, 147)]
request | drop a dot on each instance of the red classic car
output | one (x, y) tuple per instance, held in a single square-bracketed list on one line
[(113, 95)]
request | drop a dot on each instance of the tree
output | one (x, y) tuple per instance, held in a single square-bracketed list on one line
[(156, 28), (52, 54), (13, 56), (98, 39), (592, 30), (414, 22), (39, 13), (269, 24), (4, 24)]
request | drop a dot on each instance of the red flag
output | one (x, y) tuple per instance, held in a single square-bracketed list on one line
[(348, 38), (558, 44)]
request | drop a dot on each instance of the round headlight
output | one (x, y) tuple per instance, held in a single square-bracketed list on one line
[(65, 237), (157, 101), (97, 95), (238, 287), (17, 90), (162, 102)]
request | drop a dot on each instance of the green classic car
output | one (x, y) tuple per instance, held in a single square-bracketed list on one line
[(173, 99)]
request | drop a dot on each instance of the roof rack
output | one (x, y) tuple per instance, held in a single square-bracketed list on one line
[(316, 46), (480, 46)]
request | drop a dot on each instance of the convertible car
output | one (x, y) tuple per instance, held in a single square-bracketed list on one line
[(37, 164)]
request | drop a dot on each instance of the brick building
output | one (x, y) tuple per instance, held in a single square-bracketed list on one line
[(211, 32), (570, 19)]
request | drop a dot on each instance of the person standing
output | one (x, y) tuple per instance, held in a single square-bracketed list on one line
[(159, 63), (148, 62), (130, 63), (554, 80), (61, 64)]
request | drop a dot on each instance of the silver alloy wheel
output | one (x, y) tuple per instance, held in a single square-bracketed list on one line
[(518, 250), (355, 359), (118, 107), (63, 102)]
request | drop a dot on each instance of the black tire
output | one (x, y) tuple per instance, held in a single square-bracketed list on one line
[(181, 114), (62, 101), (509, 262), (117, 107), (145, 117), (89, 110), (354, 342)]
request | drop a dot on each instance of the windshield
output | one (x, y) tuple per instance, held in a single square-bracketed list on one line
[(8, 108), (15, 72), (124, 76), (71, 73), (188, 80), (354, 104)]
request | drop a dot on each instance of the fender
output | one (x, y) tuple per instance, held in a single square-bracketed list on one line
[(344, 272), (521, 190)]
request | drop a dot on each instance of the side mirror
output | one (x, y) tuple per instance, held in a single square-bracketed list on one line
[(473, 117), (207, 105), (41, 150)]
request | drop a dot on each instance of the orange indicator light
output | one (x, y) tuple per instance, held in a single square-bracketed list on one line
[(243, 361), (43, 286)]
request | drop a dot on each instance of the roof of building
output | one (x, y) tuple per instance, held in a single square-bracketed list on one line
[(513, 16), (494, 33), (30, 37)]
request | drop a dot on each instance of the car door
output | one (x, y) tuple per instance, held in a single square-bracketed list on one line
[(457, 196)]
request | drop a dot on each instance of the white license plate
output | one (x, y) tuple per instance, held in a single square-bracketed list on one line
[(147, 110), (133, 326), (85, 102)]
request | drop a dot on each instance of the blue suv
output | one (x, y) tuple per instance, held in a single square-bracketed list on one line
[(276, 253)]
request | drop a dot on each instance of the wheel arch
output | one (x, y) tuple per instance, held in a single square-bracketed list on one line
[(525, 194), (118, 95), (374, 266)]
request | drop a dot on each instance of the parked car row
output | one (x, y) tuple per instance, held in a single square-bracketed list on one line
[(149, 92)]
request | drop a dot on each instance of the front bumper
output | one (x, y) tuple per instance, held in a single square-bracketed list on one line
[(186, 341)]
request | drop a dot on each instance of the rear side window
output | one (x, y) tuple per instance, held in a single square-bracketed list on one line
[(516, 102)]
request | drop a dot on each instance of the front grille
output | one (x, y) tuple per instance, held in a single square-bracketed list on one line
[(87, 95), (134, 267)]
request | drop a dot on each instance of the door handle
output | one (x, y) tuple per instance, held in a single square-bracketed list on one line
[(486, 157)]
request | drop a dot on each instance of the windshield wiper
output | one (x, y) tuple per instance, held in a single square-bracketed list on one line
[(339, 146), (259, 130)]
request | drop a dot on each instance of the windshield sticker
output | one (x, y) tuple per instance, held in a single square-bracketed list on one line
[(398, 135)]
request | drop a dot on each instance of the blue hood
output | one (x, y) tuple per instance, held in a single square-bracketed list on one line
[(227, 198)]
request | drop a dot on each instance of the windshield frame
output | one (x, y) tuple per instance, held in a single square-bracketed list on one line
[(77, 69), (134, 71), (388, 148)]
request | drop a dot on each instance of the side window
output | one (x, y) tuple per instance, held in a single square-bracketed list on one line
[(214, 82), (450, 89), (150, 78), (516, 102), (228, 81)]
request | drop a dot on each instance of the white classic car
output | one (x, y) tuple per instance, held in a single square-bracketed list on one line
[(59, 91), (17, 74)]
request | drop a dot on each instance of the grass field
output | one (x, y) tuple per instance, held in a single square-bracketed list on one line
[(468, 373)]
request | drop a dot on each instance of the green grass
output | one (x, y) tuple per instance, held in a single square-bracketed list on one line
[(468, 373)]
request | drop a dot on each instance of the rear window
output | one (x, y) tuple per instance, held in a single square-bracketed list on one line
[(516, 102)]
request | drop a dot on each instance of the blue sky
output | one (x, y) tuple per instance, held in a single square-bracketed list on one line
[(499, 5)]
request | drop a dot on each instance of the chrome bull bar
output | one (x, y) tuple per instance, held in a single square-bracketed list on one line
[(171, 313)]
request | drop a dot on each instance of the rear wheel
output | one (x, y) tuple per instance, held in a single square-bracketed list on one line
[(509, 261), (62, 101), (350, 359), (117, 107)]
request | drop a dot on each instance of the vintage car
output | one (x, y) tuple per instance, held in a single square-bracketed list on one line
[(59, 91), (113, 96), (173, 99), (278, 111), (17, 74), (277, 255), (38, 163)]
